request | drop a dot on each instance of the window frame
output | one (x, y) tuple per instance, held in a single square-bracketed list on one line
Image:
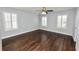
[(10, 22), (44, 21), (62, 22)]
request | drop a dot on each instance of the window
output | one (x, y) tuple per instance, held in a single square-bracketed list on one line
[(44, 21), (62, 21), (10, 21), (14, 21)]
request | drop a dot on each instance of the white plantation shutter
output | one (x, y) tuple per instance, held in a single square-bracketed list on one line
[(14, 21), (59, 22), (7, 21), (44, 21), (62, 21), (10, 21)]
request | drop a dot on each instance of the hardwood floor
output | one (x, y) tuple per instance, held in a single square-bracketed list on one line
[(39, 40)]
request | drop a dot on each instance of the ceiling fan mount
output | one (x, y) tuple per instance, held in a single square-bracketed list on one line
[(45, 10)]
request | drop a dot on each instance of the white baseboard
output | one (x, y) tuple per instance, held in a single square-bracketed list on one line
[(56, 31), (18, 34), (33, 30)]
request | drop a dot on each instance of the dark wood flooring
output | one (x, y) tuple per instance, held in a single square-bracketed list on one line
[(39, 40)]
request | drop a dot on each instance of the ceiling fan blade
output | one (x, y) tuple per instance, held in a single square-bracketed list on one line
[(49, 10)]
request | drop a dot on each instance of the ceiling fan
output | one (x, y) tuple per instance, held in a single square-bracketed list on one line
[(45, 10)]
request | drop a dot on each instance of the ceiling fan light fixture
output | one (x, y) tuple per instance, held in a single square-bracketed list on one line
[(43, 13)]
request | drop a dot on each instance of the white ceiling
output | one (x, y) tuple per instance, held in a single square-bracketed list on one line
[(38, 9)]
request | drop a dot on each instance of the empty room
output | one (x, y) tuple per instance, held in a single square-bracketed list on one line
[(39, 28)]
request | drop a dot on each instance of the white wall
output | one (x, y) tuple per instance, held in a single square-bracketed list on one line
[(52, 22), (76, 34), (26, 22), (0, 36)]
